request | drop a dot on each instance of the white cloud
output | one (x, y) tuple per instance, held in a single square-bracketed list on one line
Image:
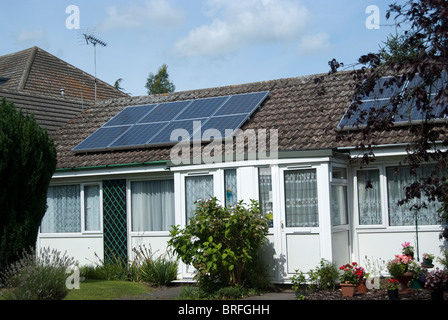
[(246, 22), (26, 36), (314, 43), (137, 15)]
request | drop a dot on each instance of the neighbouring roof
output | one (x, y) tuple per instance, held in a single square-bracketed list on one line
[(51, 112), (36, 71), (33, 79), (305, 113)]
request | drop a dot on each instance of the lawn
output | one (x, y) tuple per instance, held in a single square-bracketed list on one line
[(107, 290)]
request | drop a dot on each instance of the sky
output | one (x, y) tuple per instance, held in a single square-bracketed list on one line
[(204, 43)]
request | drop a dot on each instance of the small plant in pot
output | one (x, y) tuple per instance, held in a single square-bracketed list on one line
[(392, 288), (427, 260), (349, 279)]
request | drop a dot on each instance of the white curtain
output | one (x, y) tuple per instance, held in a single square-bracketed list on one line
[(231, 188), (402, 215), (152, 205), (301, 199), (265, 189), (92, 214), (63, 210), (369, 197), (197, 188)]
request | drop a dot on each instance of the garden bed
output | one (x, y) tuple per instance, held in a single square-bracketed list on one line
[(415, 294)]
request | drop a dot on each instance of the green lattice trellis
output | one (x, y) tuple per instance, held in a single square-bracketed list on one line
[(115, 227)]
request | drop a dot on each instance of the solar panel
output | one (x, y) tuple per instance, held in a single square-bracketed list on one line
[(155, 124), (130, 115), (380, 97)]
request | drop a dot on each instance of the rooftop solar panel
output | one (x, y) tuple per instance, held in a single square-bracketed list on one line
[(380, 97), (155, 124)]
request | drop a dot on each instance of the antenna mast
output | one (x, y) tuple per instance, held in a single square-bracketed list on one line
[(94, 41)]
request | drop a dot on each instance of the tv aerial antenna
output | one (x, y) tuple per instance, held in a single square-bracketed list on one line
[(91, 39)]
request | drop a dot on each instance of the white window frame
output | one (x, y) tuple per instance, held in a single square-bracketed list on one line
[(129, 206), (344, 183), (82, 232)]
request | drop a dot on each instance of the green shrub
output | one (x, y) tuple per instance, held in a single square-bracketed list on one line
[(37, 277), (221, 243)]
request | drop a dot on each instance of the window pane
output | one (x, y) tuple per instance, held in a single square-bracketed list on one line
[(339, 205), (92, 212), (301, 200), (152, 205), (402, 215), (197, 188), (63, 210), (265, 193), (339, 173), (369, 197), (231, 188)]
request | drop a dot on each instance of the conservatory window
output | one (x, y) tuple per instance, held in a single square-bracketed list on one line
[(301, 201), (197, 188), (265, 193), (231, 187), (72, 209), (152, 205), (403, 215), (369, 197)]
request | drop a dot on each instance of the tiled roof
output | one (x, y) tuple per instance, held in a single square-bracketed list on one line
[(36, 71), (51, 112), (306, 114), (33, 79)]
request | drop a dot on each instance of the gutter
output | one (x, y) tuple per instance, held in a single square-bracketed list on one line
[(112, 166)]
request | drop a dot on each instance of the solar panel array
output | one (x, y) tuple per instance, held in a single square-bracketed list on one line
[(154, 124), (380, 97)]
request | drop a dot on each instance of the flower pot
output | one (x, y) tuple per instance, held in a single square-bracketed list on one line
[(415, 284), (361, 288), (427, 263), (404, 280), (393, 294), (348, 289), (437, 294)]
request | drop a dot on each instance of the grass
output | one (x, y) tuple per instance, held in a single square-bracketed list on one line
[(107, 290)]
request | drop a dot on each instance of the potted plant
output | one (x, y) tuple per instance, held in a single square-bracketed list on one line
[(427, 260), (392, 288), (417, 273), (398, 269), (361, 274), (436, 282), (408, 249), (349, 279)]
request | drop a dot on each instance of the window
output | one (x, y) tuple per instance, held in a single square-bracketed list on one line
[(152, 205), (197, 188), (231, 187), (369, 197), (339, 206), (402, 215), (72, 209), (339, 210), (301, 201), (265, 193)]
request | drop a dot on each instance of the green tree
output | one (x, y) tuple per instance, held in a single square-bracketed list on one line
[(159, 83), (27, 163)]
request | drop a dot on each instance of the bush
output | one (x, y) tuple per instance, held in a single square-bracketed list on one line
[(159, 271), (324, 276), (221, 243), (35, 277)]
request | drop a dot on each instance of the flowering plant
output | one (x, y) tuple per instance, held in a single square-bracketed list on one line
[(352, 273), (407, 248), (393, 284), (398, 266), (436, 279)]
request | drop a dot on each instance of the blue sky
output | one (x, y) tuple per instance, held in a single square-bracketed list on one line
[(205, 43)]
